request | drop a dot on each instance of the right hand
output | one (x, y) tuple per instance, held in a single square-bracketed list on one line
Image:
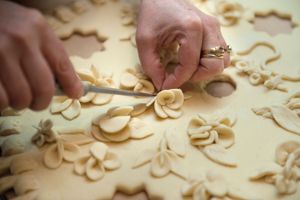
[(31, 57)]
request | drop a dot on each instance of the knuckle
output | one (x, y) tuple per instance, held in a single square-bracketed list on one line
[(212, 22), (193, 22), (36, 18)]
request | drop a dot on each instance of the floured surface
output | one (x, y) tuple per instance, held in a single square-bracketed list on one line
[(255, 138)]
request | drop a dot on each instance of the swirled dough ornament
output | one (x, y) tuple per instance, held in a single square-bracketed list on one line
[(166, 159), (284, 174), (286, 116), (96, 164), (118, 125), (213, 137), (97, 78), (168, 103), (214, 186), (257, 71)]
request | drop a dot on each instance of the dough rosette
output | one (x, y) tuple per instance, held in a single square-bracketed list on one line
[(168, 103)]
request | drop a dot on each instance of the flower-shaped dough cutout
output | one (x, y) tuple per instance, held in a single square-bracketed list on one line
[(44, 134), (68, 108), (286, 116), (97, 162), (118, 125), (214, 186), (228, 13), (64, 14), (168, 103), (213, 137), (80, 6), (136, 80), (129, 13), (285, 173), (166, 159), (97, 78)]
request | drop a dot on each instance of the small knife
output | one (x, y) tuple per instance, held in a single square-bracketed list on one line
[(104, 90)]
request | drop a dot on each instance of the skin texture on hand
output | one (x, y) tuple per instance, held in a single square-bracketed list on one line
[(162, 22), (31, 58)]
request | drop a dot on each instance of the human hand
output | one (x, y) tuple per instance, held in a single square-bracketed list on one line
[(160, 23), (30, 57)]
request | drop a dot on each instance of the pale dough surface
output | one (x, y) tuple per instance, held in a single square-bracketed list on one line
[(255, 138)]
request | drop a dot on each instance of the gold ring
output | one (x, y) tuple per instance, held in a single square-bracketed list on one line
[(216, 52)]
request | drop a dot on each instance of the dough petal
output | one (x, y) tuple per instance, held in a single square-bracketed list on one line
[(115, 124), (97, 134), (128, 80), (94, 170), (175, 142), (139, 129), (75, 136), (119, 136), (220, 155), (284, 150), (268, 169), (111, 161), (73, 111), (80, 165), (159, 110), (178, 101), (71, 152), (60, 104), (88, 97), (120, 111), (216, 188), (225, 135), (138, 109), (54, 155), (99, 151), (160, 165), (176, 166), (286, 118), (101, 99), (172, 113)]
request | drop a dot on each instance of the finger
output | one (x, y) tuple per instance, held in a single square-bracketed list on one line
[(3, 98), (150, 60), (209, 67), (224, 44), (189, 52), (61, 66), (15, 84), (39, 77)]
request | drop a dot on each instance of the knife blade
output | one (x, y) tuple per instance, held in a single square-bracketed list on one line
[(104, 90)]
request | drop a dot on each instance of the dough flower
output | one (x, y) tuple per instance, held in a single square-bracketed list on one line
[(97, 162), (213, 186), (166, 159), (213, 137), (168, 103), (134, 79), (44, 133), (228, 13), (284, 174), (118, 125), (93, 76)]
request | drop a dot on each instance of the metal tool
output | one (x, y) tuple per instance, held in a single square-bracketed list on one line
[(105, 90)]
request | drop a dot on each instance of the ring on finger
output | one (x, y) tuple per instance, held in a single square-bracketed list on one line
[(216, 52)]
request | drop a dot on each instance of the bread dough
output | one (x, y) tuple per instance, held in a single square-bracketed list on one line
[(255, 138)]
